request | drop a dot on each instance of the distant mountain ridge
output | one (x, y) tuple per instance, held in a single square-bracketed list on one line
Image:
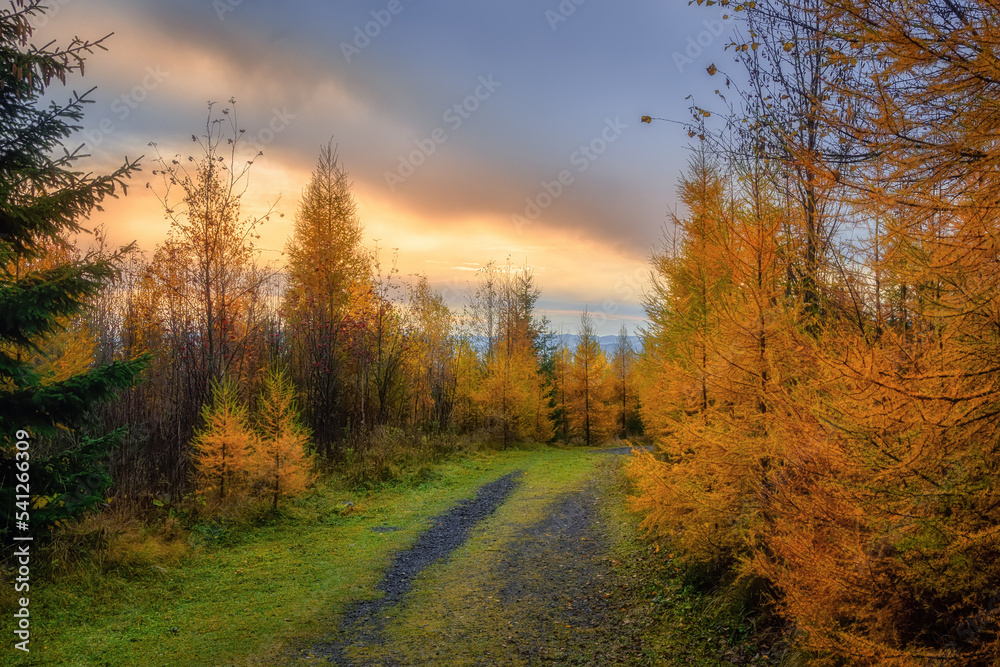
[(607, 343)]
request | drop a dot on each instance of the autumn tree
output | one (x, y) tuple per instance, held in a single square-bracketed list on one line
[(562, 361), (467, 378), (688, 280), (590, 388), (44, 196), (847, 451), (795, 64), (223, 446), (502, 308), (203, 284), (430, 325), (279, 462), (70, 350), (757, 315), (717, 352), (208, 263), (507, 395), (622, 371), (742, 296), (512, 396), (127, 320), (909, 412), (384, 348), (327, 272)]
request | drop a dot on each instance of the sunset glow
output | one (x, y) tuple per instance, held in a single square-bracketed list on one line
[(456, 150)]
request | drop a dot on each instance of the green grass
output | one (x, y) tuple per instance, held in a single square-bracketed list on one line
[(265, 594), (247, 598), (451, 616)]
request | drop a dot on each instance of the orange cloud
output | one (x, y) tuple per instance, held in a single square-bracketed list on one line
[(442, 226)]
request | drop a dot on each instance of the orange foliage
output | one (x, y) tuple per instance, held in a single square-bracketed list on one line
[(69, 351), (430, 324), (224, 445), (589, 387), (507, 392), (511, 397), (827, 412), (279, 462)]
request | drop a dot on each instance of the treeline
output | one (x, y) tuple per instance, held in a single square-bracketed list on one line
[(370, 370), (194, 374), (380, 368), (820, 368)]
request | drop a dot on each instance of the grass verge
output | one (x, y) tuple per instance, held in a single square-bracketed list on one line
[(266, 594), (519, 593), (247, 595)]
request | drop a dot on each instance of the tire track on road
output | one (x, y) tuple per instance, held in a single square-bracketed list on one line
[(364, 621)]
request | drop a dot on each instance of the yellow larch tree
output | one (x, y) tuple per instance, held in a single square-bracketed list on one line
[(562, 361), (467, 377), (222, 448), (280, 465), (847, 449), (511, 395), (590, 389), (885, 537), (719, 322), (688, 280), (623, 372), (429, 357), (324, 304)]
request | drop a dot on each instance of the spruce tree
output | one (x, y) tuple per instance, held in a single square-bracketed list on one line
[(43, 199)]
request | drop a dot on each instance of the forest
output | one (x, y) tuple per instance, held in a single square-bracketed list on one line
[(824, 327), (817, 379), (252, 376)]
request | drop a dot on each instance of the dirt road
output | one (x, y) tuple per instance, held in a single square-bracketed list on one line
[(517, 576)]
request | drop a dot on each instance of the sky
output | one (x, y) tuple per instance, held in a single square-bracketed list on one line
[(472, 131)]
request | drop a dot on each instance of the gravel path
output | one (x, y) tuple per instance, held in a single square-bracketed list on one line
[(562, 593), (364, 623), (543, 591)]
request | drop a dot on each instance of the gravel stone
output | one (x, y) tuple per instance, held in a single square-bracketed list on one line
[(364, 621)]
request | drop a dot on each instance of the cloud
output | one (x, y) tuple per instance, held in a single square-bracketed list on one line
[(495, 158), (530, 100)]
